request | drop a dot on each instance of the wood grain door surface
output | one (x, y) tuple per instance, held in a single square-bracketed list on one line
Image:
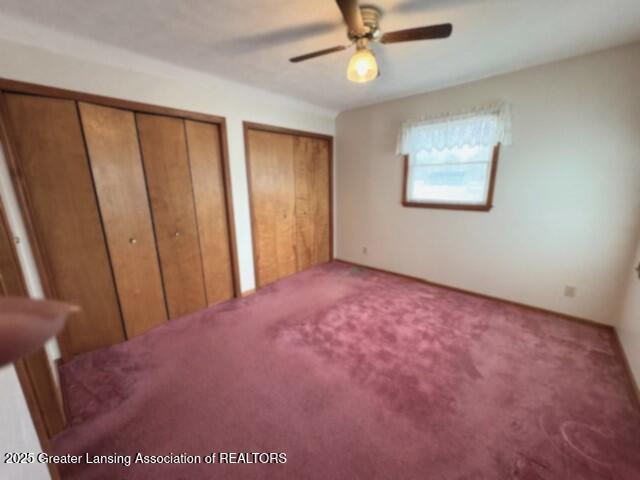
[(207, 175), (54, 169), (166, 163), (128, 211), (11, 283), (272, 180), (312, 177), (114, 154), (289, 177)]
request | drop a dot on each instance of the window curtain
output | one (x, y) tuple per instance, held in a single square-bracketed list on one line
[(483, 126)]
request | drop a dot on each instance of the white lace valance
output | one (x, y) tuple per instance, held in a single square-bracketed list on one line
[(480, 126)]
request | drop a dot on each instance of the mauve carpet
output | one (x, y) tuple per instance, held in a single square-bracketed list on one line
[(356, 374)]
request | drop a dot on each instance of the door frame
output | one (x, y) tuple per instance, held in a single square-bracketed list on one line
[(261, 127), (47, 414), (11, 155)]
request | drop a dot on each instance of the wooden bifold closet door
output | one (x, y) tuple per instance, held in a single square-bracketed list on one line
[(185, 179), (55, 171), (165, 156), (128, 211), (207, 175), (112, 142), (290, 188)]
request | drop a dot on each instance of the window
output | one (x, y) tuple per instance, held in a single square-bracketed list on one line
[(456, 178), (451, 160)]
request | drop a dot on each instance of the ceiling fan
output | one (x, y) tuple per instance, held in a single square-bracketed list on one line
[(363, 28)]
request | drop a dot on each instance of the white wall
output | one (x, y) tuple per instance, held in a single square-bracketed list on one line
[(37, 54), (629, 322), (17, 433), (567, 199)]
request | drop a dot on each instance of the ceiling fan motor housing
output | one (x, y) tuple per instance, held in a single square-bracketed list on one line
[(371, 18)]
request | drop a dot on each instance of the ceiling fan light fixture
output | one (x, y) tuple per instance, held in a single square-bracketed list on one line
[(362, 66), (363, 28)]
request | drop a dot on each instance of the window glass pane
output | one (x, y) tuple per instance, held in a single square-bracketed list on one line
[(453, 176), (454, 155)]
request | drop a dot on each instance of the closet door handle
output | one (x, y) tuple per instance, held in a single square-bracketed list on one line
[(133, 241), (177, 234)]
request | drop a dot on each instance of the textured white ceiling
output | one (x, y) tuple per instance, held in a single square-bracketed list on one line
[(250, 41)]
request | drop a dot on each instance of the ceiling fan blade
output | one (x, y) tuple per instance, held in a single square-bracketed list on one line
[(421, 33), (326, 51), (352, 16)]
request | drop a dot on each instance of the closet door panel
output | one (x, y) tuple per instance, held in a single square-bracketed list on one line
[(164, 154), (312, 207), (55, 171), (305, 228), (114, 154), (322, 199), (10, 279), (207, 175), (271, 174)]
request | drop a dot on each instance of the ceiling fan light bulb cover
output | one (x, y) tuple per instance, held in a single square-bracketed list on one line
[(362, 66)]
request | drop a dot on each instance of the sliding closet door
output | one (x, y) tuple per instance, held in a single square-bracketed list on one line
[(114, 153), (272, 183), (166, 163), (207, 175), (290, 188), (54, 168), (312, 186)]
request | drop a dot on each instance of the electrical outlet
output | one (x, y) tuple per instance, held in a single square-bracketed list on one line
[(364, 250), (569, 291)]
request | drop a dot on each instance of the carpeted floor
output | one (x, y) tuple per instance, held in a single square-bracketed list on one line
[(359, 375)]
